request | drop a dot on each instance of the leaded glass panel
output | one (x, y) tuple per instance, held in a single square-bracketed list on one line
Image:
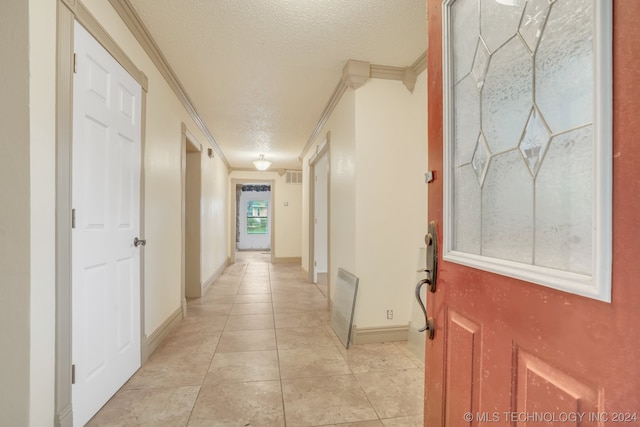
[(522, 148)]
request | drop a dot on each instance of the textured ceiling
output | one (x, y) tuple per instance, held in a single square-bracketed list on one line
[(260, 72)]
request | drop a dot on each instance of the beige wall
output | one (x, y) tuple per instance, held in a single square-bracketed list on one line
[(27, 211), (42, 56), (214, 225), (15, 229), (378, 157), (286, 220), (342, 190), (391, 198), (163, 197)]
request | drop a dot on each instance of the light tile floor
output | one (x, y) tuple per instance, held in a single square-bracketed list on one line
[(258, 350)]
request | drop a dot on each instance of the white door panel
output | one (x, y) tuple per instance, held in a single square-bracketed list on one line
[(106, 199)]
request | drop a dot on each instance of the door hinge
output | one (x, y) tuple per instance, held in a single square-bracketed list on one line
[(73, 374), (75, 63), (73, 218)]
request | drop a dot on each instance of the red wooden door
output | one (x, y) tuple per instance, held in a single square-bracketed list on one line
[(512, 353)]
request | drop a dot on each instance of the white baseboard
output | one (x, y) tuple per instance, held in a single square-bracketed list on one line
[(154, 340), (381, 334), (215, 276), (65, 417)]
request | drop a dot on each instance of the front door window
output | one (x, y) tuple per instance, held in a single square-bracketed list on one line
[(528, 140)]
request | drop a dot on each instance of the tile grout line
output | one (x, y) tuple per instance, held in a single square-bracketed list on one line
[(211, 289), (275, 333)]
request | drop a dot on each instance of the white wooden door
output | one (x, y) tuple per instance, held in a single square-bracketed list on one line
[(106, 202)]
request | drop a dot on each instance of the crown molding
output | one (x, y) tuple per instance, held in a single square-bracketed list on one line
[(86, 19), (404, 74), (326, 113), (420, 64), (356, 73), (131, 19), (387, 72), (352, 73)]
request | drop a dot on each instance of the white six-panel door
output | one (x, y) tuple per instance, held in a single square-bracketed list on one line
[(106, 201)]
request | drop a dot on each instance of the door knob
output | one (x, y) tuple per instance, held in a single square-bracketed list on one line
[(138, 242)]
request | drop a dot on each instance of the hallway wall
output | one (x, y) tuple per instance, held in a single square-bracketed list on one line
[(286, 220), (342, 188), (378, 207), (391, 198), (214, 232), (15, 227), (27, 216), (162, 163)]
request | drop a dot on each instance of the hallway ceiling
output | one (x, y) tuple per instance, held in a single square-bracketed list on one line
[(260, 73)]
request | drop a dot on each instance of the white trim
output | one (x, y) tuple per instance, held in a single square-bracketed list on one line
[(603, 140), (322, 148), (234, 215), (153, 341), (131, 19), (377, 335), (597, 286), (407, 75)]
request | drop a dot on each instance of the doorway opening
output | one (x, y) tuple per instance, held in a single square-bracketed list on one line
[(319, 223), (192, 178), (253, 217)]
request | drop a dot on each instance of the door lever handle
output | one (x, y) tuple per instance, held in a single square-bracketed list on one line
[(139, 242), (429, 323)]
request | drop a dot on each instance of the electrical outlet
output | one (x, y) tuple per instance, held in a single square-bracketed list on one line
[(389, 314)]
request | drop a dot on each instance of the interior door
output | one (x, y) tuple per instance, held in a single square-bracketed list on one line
[(106, 203), (510, 352)]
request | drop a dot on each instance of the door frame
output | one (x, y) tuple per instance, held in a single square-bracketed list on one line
[(322, 150), (69, 11), (188, 145), (233, 220)]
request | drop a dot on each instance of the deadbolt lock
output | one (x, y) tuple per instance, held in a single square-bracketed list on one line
[(431, 240)]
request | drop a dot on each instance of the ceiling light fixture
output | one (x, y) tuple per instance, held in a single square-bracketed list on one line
[(261, 164)]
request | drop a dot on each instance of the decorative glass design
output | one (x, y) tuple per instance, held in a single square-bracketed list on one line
[(564, 214), (525, 150), (534, 141), (480, 159), (467, 120), (564, 66), (509, 18), (467, 29), (480, 64), (533, 20), (507, 96)]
